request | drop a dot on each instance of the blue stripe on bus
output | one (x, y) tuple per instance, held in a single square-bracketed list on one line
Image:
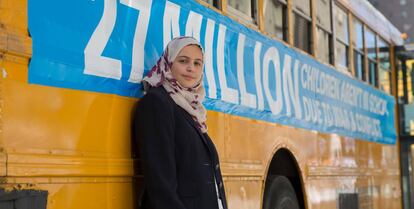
[(70, 51)]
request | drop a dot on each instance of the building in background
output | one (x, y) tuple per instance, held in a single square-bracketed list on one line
[(400, 13)]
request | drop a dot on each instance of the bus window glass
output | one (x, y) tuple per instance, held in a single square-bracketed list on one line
[(384, 70), (370, 44), (275, 18), (302, 6), (372, 72), (302, 28), (324, 31), (323, 14), (243, 6), (323, 46), (302, 25), (384, 54), (358, 41), (342, 39), (341, 25), (215, 3), (246, 10), (359, 65), (341, 55)]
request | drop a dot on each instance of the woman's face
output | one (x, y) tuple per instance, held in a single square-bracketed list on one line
[(187, 67)]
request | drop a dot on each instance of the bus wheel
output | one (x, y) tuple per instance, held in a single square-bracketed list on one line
[(280, 194)]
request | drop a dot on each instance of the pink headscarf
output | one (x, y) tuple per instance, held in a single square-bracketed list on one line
[(190, 99)]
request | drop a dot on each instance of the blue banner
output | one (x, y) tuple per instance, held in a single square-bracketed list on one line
[(108, 46)]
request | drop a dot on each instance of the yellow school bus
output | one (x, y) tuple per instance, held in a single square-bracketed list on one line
[(299, 93)]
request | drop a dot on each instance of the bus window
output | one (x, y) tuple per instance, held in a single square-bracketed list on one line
[(302, 6), (215, 3), (342, 39), (302, 25), (324, 30), (358, 44), (384, 72), (246, 10), (275, 18), (370, 44)]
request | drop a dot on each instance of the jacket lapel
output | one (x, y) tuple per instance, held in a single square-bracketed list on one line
[(193, 124), (187, 116)]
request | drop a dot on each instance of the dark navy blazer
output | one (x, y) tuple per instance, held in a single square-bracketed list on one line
[(179, 162)]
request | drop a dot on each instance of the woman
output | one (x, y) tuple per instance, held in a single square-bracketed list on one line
[(179, 161)]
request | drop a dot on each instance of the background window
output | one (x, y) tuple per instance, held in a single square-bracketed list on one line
[(275, 18), (324, 31), (342, 38)]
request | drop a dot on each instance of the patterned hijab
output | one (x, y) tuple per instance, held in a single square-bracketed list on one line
[(190, 99)]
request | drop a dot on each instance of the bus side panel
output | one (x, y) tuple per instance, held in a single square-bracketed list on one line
[(331, 167), (75, 145)]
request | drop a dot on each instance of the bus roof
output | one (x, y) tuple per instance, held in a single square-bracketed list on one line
[(374, 19)]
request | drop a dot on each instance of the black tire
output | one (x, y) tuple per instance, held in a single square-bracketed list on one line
[(280, 194)]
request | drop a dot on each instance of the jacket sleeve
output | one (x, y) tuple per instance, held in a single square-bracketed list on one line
[(155, 131)]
